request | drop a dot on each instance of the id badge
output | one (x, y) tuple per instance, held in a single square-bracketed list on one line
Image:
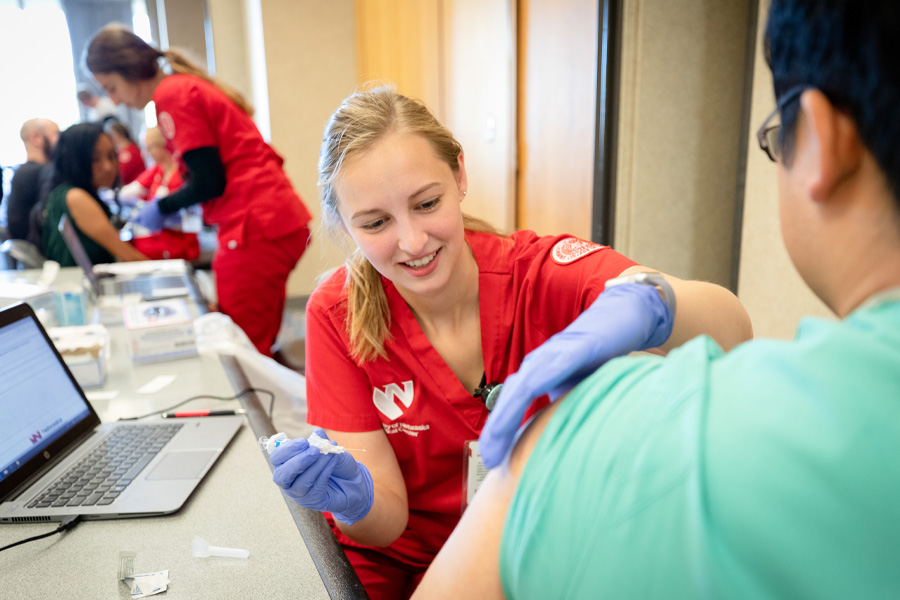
[(474, 472)]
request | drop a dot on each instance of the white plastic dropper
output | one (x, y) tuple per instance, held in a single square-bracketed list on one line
[(202, 549)]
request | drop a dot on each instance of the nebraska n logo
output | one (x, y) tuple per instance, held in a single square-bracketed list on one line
[(385, 400)]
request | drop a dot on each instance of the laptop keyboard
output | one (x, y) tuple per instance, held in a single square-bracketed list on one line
[(101, 476)]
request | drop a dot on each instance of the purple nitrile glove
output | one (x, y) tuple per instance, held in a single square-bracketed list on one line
[(173, 220), (336, 483), (622, 319), (150, 216)]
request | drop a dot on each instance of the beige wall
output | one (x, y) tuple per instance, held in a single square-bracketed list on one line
[(768, 285), (310, 68), (185, 25), (682, 86), (230, 43)]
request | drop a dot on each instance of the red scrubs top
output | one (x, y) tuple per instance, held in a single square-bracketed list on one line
[(152, 180), (131, 163), (193, 113), (530, 288)]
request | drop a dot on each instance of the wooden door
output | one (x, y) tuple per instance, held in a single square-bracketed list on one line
[(458, 56), (480, 102), (557, 90), (400, 41)]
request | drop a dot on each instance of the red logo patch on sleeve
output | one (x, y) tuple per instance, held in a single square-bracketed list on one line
[(571, 249)]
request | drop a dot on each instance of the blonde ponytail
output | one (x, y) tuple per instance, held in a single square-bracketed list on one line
[(368, 314)]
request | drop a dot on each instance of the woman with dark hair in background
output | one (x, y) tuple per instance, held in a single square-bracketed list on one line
[(83, 162), (262, 222), (131, 163)]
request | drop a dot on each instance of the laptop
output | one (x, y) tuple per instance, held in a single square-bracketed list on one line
[(150, 285), (52, 441)]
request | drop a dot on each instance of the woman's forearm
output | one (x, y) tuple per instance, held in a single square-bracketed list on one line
[(385, 522), (125, 252)]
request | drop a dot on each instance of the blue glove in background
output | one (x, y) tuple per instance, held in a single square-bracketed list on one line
[(622, 319), (172, 220), (150, 217), (325, 482)]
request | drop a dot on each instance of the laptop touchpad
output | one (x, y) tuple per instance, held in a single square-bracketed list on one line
[(183, 465)]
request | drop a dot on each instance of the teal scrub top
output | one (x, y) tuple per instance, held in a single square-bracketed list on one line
[(772, 471)]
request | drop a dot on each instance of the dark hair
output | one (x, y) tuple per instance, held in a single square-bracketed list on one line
[(119, 129), (850, 51), (74, 155), (115, 49), (72, 164)]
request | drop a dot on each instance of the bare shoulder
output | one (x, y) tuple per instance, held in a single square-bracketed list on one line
[(468, 566), (81, 204), (78, 196)]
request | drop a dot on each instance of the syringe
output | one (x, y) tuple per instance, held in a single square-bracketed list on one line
[(325, 447)]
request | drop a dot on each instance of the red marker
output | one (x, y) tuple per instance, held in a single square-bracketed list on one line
[(202, 413)]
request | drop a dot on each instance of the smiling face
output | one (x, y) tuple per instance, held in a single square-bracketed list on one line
[(400, 204), (123, 91), (104, 164)]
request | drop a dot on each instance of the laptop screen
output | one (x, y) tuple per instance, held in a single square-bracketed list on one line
[(70, 237), (39, 401)]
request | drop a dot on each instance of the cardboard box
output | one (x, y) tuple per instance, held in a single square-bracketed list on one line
[(160, 330), (85, 349)]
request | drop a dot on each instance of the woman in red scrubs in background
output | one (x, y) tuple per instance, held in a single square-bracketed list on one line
[(160, 179), (131, 163), (262, 222)]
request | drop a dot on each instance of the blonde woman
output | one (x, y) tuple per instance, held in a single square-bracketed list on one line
[(432, 308)]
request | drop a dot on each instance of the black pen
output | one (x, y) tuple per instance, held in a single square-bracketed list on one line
[(202, 413)]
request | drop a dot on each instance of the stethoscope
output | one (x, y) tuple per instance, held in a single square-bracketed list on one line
[(488, 393)]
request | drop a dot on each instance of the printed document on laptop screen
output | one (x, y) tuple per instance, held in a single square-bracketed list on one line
[(38, 401)]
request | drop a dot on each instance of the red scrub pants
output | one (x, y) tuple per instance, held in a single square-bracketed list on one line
[(251, 279)]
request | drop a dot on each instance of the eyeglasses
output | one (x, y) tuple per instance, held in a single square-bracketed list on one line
[(768, 134)]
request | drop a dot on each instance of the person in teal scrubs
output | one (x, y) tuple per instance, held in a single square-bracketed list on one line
[(770, 471)]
